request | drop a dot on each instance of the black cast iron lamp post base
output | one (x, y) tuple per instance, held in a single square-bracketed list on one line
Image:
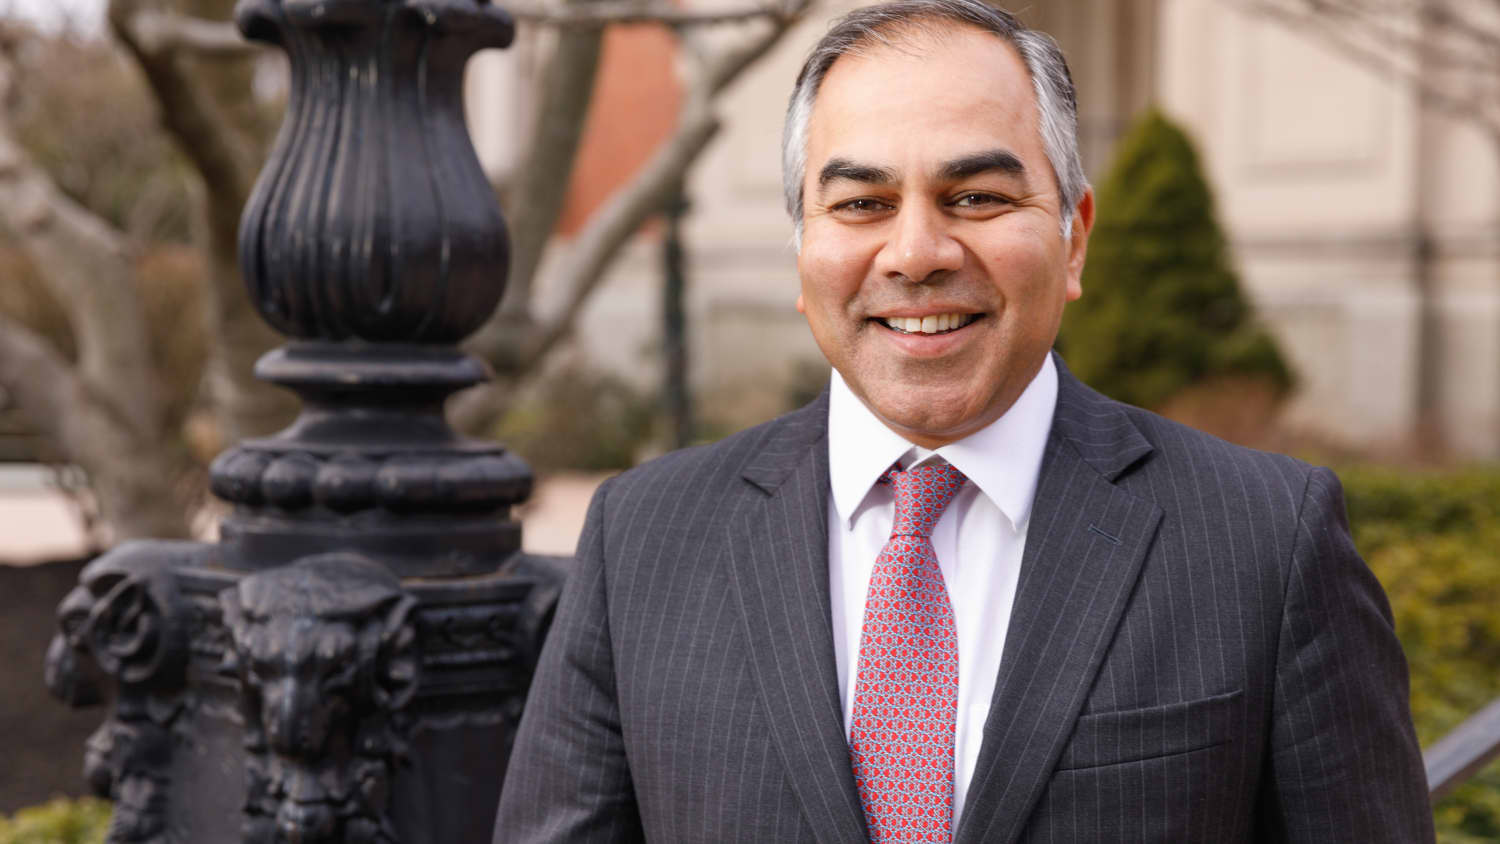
[(349, 662)]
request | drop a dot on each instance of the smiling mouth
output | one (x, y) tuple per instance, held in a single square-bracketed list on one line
[(934, 324)]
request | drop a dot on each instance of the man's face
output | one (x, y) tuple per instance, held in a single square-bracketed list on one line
[(929, 197)]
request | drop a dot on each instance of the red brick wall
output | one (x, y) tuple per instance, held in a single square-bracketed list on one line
[(635, 105)]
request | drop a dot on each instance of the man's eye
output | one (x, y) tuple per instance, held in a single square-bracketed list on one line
[(863, 205), (978, 200)]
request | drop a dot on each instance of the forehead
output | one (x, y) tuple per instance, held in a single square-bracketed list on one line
[(932, 90)]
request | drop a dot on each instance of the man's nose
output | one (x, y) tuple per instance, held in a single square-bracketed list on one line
[(920, 246)]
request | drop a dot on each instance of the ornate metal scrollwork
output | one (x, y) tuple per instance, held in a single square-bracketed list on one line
[(326, 654), (123, 622)]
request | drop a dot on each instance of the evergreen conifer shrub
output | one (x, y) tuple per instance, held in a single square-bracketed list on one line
[(1162, 308)]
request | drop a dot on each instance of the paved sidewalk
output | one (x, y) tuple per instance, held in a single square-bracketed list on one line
[(553, 518), (38, 523)]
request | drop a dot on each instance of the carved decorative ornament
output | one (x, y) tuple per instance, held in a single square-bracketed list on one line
[(124, 620), (327, 658)]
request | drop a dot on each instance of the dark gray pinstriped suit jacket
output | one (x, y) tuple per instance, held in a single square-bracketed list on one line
[(1196, 653)]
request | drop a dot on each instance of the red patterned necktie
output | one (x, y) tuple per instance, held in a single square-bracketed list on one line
[(906, 694)]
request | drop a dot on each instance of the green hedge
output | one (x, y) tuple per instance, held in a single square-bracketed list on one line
[(59, 821), (1433, 539)]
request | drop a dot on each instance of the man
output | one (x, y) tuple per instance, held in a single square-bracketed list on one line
[(961, 596)]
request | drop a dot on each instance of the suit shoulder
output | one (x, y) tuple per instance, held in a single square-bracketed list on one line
[(1216, 494), (1125, 440), (1208, 462)]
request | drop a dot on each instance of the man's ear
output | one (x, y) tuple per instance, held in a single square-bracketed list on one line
[(1078, 242), (801, 306)]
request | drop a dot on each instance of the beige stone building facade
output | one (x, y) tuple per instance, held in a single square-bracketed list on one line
[(1364, 225)]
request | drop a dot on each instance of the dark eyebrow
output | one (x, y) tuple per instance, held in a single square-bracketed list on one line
[(981, 162), (843, 168)]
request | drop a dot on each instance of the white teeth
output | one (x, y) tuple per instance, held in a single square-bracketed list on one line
[(929, 324)]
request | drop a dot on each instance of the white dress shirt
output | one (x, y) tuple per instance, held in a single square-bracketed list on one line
[(978, 539)]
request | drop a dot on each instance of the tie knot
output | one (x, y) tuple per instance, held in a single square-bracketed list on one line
[(922, 493)]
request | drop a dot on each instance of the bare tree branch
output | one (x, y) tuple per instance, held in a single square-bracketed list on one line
[(564, 90), (721, 68), (89, 266), (221, 154), (655, 184), (603, 14), (1345, 26), (48, 391), (104, 414), (1421, 31), (162, 32), (226, 159), (1452, 21), (622, 215), (131, 470)]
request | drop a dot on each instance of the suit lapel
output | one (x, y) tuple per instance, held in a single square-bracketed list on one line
[(778, 552), (1084, 548)]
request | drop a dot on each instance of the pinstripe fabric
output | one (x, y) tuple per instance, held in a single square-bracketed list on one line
[(1195, 654)]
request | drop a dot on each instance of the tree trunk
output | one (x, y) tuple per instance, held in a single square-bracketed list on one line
[(225, 145), (135, 474), (243, 405), (535, 201)]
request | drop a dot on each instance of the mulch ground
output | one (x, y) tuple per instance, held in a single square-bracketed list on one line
[(41, 740)]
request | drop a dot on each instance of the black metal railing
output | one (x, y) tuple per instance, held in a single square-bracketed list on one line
[(1462, 753)]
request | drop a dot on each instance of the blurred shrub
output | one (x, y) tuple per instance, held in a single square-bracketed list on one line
[(578, 418), (1161, 307), (58, 821), (1433, 539)]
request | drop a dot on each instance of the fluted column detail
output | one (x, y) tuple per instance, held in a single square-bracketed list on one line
[(373, 220)]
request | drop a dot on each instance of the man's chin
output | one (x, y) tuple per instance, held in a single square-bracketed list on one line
[(928, 416)]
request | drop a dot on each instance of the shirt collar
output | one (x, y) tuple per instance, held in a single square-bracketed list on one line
[(1003, 459)]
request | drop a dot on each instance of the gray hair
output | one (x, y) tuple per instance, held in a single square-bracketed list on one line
[(1057, 106)]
